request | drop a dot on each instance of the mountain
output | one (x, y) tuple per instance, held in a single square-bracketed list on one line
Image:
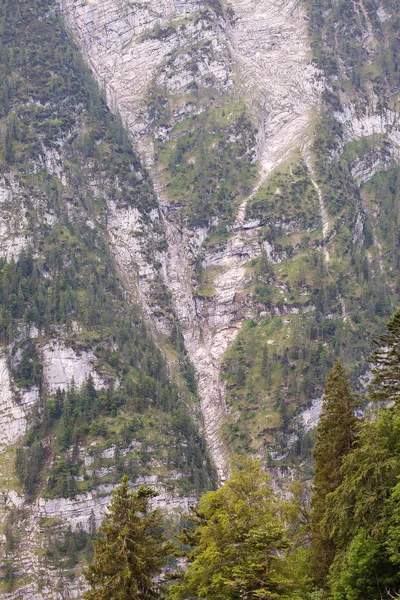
[(199, 213), (262, 128)]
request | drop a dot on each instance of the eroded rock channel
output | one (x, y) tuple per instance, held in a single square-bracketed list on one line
[(255, 52)]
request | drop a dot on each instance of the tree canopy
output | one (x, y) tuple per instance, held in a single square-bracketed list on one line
[(237, 548), (246, 542), (361, 515), (131, 550)]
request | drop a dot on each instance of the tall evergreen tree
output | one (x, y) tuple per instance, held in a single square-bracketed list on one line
[(362, 514), (335, 436), (386, 361), (131, 551)]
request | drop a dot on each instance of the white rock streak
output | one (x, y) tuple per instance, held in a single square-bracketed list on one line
[(371, 122), (310, 416), (61, 367), (13, 223), (87, 510), (120, 42), (270, 46), (322, 206)]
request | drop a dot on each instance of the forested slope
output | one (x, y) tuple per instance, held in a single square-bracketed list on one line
[(247, 540), (86, 393)]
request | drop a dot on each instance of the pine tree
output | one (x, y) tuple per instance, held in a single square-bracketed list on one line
[(238, 543), (131, 551), (362, 514), (386, 360), (358, 514), (335, 436)]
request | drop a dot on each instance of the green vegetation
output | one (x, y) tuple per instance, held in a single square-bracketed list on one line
[(210, 166), (238, 543), (333, 173), (288, 197), (67, 159), (361, 513), (48, 97), (309, 313), (276, 365), (68, 550), (144, 412), (65, 284), (12, 542), (382, 196), (243, 541), (131, 551), (311, 310), (335, 438), (350, 61)]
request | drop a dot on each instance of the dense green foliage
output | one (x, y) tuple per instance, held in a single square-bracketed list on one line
[(360, 516), (48, 95), (312, 310), (386, 383), (131, 550), (335, 438), (244, 541), (238, 544), (288, 198), (66, 281), (382, 196), (64, 161), (144, 413), (341, 51), (280, 361), (241, 542)]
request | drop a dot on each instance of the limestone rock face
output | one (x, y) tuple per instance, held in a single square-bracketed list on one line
[(255, 51), (377, 160), (83, 513), (63, 367), (13, 231), (371, 120), (15, 408), (189, 52), (269, 44), (259, 50), (86, 511), (125, 43)]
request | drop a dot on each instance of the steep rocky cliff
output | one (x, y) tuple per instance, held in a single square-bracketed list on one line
[(205, 67), (222, 238), (180, 74)]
